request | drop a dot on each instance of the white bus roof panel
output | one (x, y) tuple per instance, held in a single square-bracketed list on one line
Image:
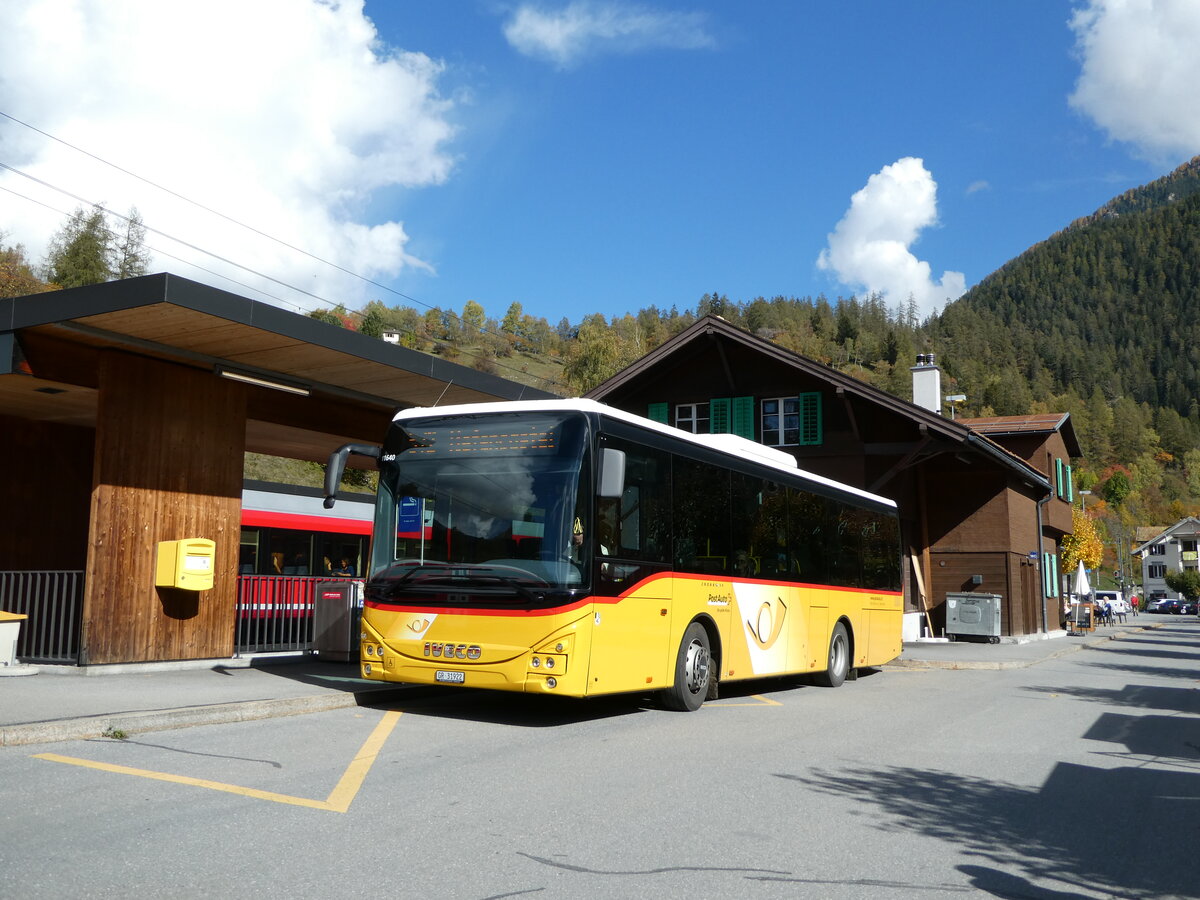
[(729, 444)]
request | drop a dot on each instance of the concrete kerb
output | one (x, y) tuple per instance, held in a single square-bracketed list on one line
[(997, 665), (134, 722), (110, 724)]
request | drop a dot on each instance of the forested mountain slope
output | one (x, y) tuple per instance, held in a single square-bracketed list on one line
[(1110, 302)]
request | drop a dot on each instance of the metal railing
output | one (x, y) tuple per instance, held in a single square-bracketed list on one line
[(275, 612), (53, 601)]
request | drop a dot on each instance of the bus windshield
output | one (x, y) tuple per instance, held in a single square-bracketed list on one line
[(482, 509)]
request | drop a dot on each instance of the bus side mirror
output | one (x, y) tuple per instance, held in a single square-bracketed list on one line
[(612, 473), (337, 465)]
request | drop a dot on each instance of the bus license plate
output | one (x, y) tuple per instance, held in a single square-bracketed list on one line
[(450, 677)]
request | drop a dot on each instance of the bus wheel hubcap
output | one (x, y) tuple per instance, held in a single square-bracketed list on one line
[(837, 656), (696, 666)]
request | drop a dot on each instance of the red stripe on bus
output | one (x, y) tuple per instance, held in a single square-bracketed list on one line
[(259, 518), (595, 598)]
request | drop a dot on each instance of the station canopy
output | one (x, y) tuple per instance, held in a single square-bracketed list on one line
[(313, 386)]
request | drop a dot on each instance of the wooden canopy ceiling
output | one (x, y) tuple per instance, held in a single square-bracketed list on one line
[(50, 344)]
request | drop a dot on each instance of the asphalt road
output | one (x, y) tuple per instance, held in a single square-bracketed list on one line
[(1078, 777)]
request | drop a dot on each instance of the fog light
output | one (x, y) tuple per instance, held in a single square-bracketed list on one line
[(367, 669), (551, 682), (535, 662)]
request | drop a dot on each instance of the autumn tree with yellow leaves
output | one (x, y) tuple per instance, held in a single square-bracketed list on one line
[(1082, 544)]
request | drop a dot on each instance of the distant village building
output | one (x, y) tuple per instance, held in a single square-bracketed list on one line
[(1172, 549)]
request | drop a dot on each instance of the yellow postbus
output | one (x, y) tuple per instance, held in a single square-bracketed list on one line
[(565, 547)]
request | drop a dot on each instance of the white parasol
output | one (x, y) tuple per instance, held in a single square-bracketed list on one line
[(1082, 589)]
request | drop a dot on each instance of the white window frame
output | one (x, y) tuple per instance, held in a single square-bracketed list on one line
[(691, 416), (777, 436)]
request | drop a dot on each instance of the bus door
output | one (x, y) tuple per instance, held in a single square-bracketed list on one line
[(631, 621)]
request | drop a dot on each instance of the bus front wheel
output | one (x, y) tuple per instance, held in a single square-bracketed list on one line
[(838, 663), (693, 671)]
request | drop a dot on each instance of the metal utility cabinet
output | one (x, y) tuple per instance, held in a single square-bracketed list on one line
[(973, 614), (337, 607)]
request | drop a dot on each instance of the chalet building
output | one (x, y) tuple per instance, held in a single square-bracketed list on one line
[(984, 504), (1173, 549)]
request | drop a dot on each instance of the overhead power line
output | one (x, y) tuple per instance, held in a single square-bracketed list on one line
[(365, 279), (237, 265)]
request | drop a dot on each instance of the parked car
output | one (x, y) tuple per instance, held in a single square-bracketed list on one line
[(1171, 606), (1155, 606), (1187, 608)]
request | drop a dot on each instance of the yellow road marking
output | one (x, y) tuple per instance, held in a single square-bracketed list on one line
[(339, 798), (762, 701)]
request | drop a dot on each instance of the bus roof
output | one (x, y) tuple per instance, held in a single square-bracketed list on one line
[(726, 444)]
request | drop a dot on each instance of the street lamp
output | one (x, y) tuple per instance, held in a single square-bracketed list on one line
[(1083, 495)]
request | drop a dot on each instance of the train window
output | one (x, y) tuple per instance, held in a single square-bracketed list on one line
[(340, 555), (291, 553), (248, 552)]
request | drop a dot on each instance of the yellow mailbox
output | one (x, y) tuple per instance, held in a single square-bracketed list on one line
[(186, 564)]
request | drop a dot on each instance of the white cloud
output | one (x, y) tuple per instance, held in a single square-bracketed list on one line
[(869, 249), (284, 114), (1140, 73), (976, 186), (584, 28)]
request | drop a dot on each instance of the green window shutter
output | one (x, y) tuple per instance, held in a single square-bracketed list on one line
[(719, 416), (1058, 479), (810, 418), (1070, 486), (743, 417), (1047, 581), (1054, 575), (657, 412)]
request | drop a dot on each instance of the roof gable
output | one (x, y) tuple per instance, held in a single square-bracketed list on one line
[(1190, 525), (714, 331)]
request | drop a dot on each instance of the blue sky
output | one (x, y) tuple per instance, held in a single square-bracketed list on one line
[(593, 156)]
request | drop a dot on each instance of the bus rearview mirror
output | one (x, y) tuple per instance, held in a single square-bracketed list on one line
[(612, 473)]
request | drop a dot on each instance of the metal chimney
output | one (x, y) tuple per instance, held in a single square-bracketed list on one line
[(927, 383)]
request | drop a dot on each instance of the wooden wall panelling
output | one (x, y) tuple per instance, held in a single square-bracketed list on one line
[(168, 466), (47, 472)]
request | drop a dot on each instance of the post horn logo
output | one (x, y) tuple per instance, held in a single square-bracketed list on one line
[(769, 626), (418, 625)]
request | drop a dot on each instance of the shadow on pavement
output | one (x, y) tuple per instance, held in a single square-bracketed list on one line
[(1137, 696), (1061, 832)]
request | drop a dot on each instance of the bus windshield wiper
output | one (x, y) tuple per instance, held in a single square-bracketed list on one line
[(480, 580)]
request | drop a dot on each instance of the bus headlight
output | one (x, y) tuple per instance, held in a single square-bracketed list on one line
[(551, 682), (366, 668), (548, 661)]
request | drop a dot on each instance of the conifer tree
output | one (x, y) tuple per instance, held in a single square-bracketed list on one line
[(79, 252)]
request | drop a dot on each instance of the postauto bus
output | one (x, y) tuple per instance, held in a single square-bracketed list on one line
[(565, 547)]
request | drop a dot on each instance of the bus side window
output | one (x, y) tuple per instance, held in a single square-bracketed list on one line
[(810, 544), (642, 519), (701, 514)]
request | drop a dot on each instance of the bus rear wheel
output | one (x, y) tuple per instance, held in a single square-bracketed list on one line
[(838, 662), (693, 671)]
